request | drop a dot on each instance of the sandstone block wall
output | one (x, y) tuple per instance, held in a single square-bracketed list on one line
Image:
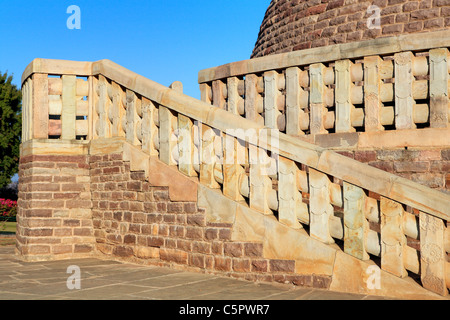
[(135, 221), (291, 25), (429, 167), (54, 218)]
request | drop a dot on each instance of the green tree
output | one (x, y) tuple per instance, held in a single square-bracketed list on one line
[(10, 128)]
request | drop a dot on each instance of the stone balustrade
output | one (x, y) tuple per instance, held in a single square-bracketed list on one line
[(365, 88), (369, 212)]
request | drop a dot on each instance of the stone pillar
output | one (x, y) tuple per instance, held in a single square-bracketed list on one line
[(54, 220)]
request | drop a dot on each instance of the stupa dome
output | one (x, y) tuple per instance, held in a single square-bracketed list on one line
[(291, 25)]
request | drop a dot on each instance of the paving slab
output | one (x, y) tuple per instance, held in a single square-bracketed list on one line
[(112, 280)]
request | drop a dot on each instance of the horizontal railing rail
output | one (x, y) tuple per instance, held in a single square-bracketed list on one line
[(276, 174), (386, 84)]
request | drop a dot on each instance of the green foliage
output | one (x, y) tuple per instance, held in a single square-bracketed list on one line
[(10, 128)]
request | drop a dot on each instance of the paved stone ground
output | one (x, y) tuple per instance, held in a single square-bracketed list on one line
[(111, 280)]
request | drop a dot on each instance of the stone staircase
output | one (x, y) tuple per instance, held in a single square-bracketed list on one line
[(114, 164), (149, 219)]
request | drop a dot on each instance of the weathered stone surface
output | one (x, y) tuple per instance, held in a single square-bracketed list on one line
[(248, 225), (310, 255), (218, 208), (432, 250), (368, 278), (181, 188)]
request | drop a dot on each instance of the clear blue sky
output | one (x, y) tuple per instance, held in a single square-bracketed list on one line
[(163, 40)]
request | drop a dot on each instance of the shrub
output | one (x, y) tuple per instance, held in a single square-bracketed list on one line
[(8, 208)]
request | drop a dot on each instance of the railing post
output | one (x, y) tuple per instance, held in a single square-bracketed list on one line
[(295, 96), (439, 99), (260, 183), (91, 103), (69, 106), (253, 103), (103, 125), (167, 141), (219, 93), (133, 120), (149, 129), (206, 93), (432, 254), (40, 106), (27, 108), (208, 157), (288, 193), (271, 94), (356, 226), (317, 99), (235, 101), (344, 106), (404, 101), (393, 239), (320, 206), (118, 111), (186, 146), (232, 167), (372, 89)]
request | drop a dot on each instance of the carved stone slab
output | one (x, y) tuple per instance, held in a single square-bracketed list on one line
[(432, 254), (320, 206), (404, 102), (288, 193), (356, 226), (393, 239), (344, 106), (439, 99)]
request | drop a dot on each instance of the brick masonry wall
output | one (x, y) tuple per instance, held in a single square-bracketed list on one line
[(291, 25), (134, 221), (429, 167), (54, 218)]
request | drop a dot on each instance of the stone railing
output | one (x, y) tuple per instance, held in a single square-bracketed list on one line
[(375, 86), (335, 198)]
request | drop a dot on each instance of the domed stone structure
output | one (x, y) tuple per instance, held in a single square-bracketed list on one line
[(291, 25)]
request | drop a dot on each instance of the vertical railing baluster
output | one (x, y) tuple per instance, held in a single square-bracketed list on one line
[(271, 94), (404, 102), (91, 104), (233, 95), (318, 109), (260, 183), (68, 112), (186, 146), (25, 109), (103, 124), (432, 254), (372, 89), (320, 206), (219, 92), (207, 157), (288, 193), (132, 117), (344, 106), (393, 239), (148, 127), (251, 97), (206, 93), (232, 167), (117, 111), (167, 142), (439, 78), (40, 106), (295, 96), (356, 226)]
